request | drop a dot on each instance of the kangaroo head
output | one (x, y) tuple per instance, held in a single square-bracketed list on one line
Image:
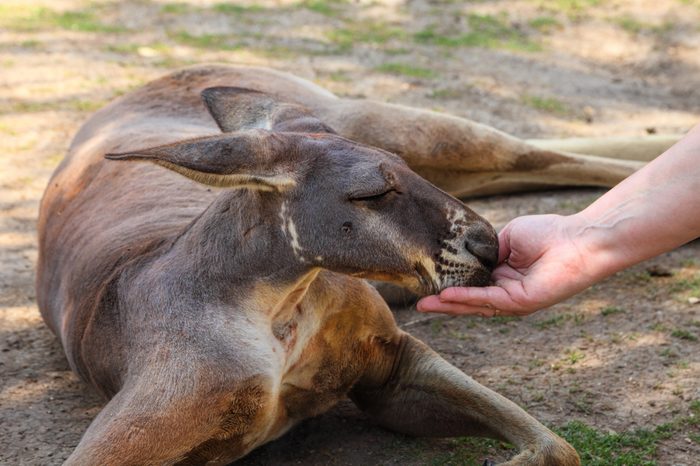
[(339, 205)]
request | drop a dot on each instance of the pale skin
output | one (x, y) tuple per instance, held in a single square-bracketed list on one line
[(545, 259)]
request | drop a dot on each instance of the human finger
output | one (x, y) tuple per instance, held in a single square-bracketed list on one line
[(436, 306), (493, 296)]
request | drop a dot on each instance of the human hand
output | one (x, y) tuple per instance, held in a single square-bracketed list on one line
[(542, 260)]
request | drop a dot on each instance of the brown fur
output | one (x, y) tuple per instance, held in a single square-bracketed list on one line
[(214, 319)]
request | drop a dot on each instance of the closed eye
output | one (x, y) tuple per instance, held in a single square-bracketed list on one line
[(373, 197)]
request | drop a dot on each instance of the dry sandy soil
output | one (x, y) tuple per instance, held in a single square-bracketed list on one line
[(619, 357)]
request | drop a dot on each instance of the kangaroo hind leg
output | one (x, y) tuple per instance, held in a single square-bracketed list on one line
[(426, 396)]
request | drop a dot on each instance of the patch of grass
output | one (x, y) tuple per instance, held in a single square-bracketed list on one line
[(459, 335), (127, 48), (207, 41), (436, 326), (694, 406), (682, 365), (571, 8), (232, 9), (486, 31), (502, 320), (32, 106), (25, 106), (174, 62), (272, 50), (689, 263), (30, 44), (611, 310), (659, 327), (598, 448), (176, 8), (466, 451), (684, 335), (339, 76), (445, 94), (28, 18), (406, 70), (631, 24), (638, 277), (82, 105), (546, 104), (545, 24), (122, 48), (397, 51), (573, 356), (534, 363), (7, 129), (363, 32), (324, 7), (556, 321), (690, 286)]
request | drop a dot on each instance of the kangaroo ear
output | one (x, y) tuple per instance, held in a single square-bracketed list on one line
[(252, 159), (238, 109)]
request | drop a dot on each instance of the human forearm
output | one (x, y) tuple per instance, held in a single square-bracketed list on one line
[(652, 211)]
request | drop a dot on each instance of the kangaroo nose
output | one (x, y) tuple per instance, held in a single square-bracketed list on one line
[(483, 244)]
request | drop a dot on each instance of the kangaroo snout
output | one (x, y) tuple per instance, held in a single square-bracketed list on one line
[(482, 242), (469, 253)]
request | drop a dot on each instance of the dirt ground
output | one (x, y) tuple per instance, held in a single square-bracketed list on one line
[(621, 356)]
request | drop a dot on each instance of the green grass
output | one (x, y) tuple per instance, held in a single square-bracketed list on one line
[(233, 9), (406, 70), (339, 76), (598, 448), (128, 48), (668, 353), (30, 44), (546, 104), (28, 18), (176, 8), (466, 451), (447, 93), (207, 41), (611, 310), (684, 335), (545, 24), (31, 106), (7, 129), (363, 32), (324, 7), (485, 31), (571, 8), (556, 321), (631, 25), (688, 286), (573, 356)]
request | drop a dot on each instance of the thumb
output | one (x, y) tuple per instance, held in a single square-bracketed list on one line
[(504, 244)]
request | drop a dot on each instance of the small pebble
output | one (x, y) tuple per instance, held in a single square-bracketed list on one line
[(693, 300)]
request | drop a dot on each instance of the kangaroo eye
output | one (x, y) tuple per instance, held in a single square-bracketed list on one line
[(373, 197)]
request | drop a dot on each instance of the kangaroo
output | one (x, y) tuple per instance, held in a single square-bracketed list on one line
[(204, 249)]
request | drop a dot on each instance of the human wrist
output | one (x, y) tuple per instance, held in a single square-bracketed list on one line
[(597, 245)]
